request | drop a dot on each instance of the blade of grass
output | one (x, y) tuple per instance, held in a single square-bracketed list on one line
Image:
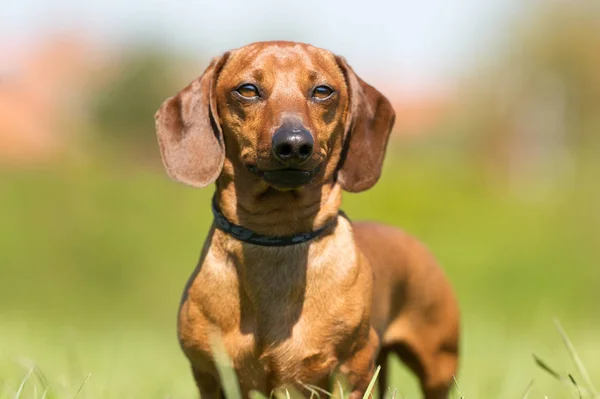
[(20, 390), (575, 385), (342, 396), (576, 359), (544, 366), (82, 384), (460, 394), (319, 389), (312, 391), (372, 383), (527, 390), (43, 380), (225, 368)]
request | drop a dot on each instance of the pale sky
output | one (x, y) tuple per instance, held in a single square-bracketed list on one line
[(428, 42)]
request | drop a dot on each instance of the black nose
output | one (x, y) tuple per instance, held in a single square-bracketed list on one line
[(292, 145)]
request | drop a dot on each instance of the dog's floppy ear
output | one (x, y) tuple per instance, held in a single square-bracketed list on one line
[(369, 123), (188, 130)]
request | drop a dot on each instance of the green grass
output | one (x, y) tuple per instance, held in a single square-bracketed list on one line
[(94, 258)]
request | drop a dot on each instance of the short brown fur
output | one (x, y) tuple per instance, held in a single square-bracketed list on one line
[(292, 315)]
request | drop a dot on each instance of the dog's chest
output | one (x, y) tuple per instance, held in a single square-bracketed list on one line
[(283, 315), (298, 317)]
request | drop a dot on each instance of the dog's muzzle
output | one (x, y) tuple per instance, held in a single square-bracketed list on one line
[(285, 179)]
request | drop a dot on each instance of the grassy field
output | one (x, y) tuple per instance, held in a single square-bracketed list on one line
[(94, 258)]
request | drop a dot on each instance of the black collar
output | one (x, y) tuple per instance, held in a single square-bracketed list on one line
[(252, 237)]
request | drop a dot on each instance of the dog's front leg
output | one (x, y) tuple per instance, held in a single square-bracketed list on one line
[(360, 367), (208, 385)]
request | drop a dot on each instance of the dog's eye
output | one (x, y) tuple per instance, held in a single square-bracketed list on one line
[(322, 92), (248, 91)]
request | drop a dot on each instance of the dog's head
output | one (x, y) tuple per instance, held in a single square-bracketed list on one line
[(276, 114)]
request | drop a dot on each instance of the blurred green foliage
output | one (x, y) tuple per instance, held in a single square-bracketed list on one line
[(123, 111), (530, 110)]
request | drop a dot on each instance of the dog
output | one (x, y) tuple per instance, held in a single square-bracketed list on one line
[(292, 288)]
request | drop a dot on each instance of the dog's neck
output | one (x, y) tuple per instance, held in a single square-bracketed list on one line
[(280, 213)]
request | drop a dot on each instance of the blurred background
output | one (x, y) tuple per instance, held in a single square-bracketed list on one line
[(494, 163)]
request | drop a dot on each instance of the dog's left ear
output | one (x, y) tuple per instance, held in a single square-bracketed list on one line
[(189, 135), (369, 123)]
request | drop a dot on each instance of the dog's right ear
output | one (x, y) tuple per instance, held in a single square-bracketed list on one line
[(189, 135)]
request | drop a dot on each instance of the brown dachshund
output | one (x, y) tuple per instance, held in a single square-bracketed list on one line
[(295, 290)]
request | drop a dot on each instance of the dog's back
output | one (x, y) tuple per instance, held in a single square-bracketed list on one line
[(414, 309)]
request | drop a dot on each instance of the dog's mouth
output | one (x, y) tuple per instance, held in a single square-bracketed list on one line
[(285, 179)]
